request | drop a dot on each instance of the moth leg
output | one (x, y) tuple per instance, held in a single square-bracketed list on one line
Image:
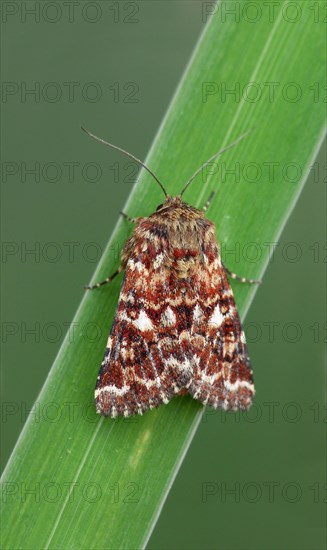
[(241, 279), (127, 217), (107, 280), (207, 204)]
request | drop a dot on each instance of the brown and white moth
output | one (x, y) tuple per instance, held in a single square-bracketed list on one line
[(176, 327)]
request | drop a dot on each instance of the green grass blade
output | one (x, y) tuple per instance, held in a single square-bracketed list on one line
[(100, 483)]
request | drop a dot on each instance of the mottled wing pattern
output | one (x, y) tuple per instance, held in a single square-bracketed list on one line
[(222, 374), (176, 326), (144, 363)]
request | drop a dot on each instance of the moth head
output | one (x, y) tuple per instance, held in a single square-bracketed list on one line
[(170, 202)]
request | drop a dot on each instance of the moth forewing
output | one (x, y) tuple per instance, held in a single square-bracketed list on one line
[(176, 327)]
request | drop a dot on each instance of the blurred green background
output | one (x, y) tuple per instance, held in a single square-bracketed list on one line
[(253, 482)]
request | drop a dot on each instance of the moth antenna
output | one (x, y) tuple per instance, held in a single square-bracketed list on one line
[(125, 153), (242, 136)]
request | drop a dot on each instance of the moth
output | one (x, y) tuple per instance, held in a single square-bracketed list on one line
[(176, 329)]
